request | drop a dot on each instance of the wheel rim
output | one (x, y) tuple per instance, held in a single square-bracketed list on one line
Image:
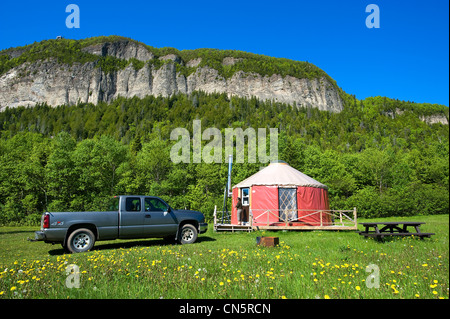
[(81, 241), (187, 235)]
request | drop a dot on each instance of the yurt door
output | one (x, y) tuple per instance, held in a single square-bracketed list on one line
[(245, 204), (287, 202)]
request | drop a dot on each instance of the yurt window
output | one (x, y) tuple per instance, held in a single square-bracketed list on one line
[(287, 202), (245, 197)]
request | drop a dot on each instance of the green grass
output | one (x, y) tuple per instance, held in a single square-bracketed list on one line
[(315, 264)]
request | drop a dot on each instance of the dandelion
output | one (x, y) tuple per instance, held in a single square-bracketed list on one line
[(327, 297), (358, 288)]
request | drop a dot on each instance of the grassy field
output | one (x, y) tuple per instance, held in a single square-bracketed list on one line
[(315, 264)]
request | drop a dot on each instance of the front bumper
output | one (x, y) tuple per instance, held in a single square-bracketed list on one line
[(203, 227)]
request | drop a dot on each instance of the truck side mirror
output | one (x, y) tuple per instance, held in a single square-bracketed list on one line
[(167, 211)]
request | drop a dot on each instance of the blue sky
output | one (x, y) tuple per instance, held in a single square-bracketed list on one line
[(406, 58)]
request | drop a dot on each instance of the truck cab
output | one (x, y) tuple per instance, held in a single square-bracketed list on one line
[(127, 217)]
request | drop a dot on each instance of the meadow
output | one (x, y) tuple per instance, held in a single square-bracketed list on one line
[(307, 264)]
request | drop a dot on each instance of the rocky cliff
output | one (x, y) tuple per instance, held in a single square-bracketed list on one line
[(48, 80)]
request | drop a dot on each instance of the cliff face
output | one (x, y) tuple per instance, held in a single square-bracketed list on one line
[(55, 83)]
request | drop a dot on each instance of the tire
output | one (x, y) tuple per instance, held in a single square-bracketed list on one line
[(188, 234), (80, 240)]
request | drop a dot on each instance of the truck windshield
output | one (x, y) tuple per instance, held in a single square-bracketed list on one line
[(113, 204)]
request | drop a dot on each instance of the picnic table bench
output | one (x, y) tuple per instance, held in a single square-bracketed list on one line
[(382, 229)]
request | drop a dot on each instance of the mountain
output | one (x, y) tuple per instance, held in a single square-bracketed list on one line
[(101, 69)]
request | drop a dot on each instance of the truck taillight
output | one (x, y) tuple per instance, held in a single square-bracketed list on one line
[(46, 221)]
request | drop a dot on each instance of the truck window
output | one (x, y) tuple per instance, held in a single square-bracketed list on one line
[(133, 204), (154, 205)]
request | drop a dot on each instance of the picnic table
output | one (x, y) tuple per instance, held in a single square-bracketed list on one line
[(382, 229)]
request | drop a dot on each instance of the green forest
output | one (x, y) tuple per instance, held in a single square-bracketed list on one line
[(377, 155)]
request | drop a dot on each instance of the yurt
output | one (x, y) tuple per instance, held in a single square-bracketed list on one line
[(280, 195)]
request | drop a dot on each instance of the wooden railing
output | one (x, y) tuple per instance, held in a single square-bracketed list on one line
[(221, 217), (326, 218)]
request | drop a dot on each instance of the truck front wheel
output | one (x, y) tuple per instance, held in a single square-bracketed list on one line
[(188, 234), (80, 240)]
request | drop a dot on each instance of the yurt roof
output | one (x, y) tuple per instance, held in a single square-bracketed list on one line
[(280, 174)]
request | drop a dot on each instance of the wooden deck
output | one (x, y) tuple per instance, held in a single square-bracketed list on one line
[(233, 228), (306, 227), (341, 221), (248, 228)]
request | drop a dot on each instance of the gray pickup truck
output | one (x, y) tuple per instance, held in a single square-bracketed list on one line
[(128, 217)]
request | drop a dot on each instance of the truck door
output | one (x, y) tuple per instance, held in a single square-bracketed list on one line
[(131, 218), (159, 220)]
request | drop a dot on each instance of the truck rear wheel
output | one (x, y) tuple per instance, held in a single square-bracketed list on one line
[(188, 234), (80, 240)]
